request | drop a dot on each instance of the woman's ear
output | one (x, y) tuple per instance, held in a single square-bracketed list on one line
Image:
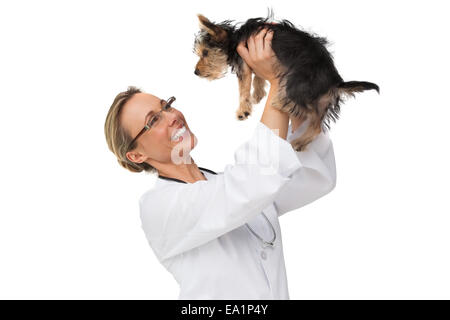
[(136, 156)]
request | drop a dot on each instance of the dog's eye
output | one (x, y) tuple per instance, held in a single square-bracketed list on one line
[(205, 52)]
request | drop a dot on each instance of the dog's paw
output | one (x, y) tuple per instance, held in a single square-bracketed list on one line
[(257, 96), (242, 115), (245, 110)]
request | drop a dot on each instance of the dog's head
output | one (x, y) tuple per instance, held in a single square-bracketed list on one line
[(211, 44)]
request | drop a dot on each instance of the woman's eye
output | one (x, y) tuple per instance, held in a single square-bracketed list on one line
[(154, 120)]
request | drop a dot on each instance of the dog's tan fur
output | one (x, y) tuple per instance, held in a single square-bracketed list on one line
[(245, 83), (214, 66), (258, 89)]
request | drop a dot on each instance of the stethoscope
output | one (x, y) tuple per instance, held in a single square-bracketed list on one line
[(264, 242)]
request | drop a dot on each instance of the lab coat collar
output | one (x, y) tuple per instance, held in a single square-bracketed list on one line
[(181, 181)]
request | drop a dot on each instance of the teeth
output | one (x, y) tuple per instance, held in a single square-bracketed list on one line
[(179, 133)]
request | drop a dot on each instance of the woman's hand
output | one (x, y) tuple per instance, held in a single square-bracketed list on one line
[(259, 56)]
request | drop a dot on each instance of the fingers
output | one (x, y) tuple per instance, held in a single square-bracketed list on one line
[(257, 42), (268, 43), (251, 46), (243, 52), (259, 46)]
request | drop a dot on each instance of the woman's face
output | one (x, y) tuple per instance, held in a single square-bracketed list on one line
[(156, 145)]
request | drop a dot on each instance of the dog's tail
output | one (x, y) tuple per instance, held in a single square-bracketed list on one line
[(349, 88)]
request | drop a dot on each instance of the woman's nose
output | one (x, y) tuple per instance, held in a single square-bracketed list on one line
[(172, 118)]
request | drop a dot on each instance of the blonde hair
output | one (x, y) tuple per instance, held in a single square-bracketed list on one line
[(118, 138)]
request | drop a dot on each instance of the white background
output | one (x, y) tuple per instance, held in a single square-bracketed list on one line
[(69, 219)]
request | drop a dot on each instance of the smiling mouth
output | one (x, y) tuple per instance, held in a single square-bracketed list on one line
[(179, 133)]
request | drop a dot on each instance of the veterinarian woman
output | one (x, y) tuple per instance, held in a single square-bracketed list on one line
[(218, 234)]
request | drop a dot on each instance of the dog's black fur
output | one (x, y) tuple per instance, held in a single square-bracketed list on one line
[(310, 73)]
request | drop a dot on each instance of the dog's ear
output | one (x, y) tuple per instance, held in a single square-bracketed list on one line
[(216, 32)]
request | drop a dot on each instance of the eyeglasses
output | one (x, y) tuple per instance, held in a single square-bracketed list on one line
[(154, 120)]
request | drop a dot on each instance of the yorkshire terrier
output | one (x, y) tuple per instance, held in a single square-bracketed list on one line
[(310, 86)]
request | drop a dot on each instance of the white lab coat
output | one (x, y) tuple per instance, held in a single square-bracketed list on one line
[(197, 230)]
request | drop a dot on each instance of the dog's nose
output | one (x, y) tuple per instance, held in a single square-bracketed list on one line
[(197, 72)]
